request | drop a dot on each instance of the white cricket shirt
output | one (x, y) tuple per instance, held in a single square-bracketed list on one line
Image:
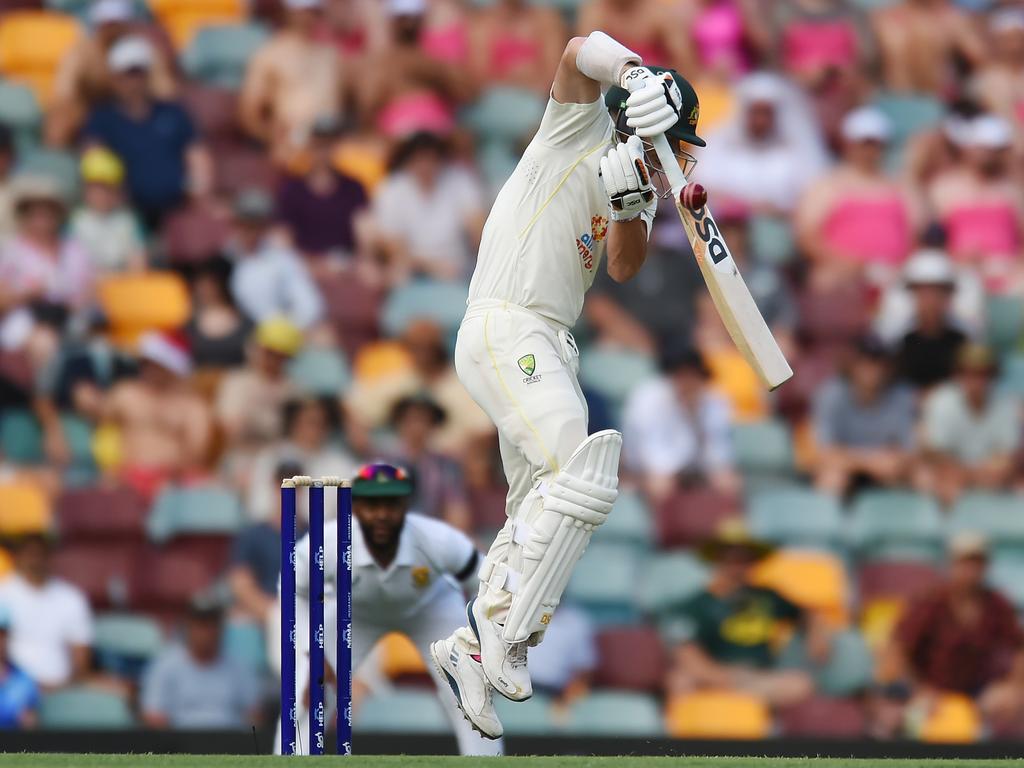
[(431, 560), (544, 238)]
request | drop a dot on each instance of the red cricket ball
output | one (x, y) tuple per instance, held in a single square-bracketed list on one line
[(693, 196)]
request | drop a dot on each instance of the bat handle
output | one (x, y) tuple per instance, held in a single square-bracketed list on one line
[(669, 164)]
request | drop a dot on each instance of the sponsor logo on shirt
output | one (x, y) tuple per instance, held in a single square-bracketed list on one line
[(585, 243)]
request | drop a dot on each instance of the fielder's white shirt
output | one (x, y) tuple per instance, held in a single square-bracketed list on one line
[(433, 558), (545, 236)]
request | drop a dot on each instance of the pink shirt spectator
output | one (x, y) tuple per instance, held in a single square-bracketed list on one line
[(718, 35), (64, 278), (989, 229), (810, 46), (870, 230)]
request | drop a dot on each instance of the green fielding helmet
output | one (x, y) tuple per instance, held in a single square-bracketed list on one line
[(686, 128), (379, 480)]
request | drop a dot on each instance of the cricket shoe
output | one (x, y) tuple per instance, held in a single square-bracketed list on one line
[(504, 663), (464, 674)]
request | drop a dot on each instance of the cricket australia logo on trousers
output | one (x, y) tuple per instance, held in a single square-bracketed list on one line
[(528, 364)]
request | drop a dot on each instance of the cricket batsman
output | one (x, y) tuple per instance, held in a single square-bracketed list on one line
[(583, 187)]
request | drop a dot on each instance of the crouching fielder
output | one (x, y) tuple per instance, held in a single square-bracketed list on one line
[(581, 188), (408, 575)]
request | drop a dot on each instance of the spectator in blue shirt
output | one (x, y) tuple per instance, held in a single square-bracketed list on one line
[(157, 141), (19, 695)]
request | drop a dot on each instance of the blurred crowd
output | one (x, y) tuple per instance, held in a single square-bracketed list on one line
[(235, 240)]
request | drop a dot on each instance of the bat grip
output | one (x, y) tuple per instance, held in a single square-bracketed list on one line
[(669, 164)]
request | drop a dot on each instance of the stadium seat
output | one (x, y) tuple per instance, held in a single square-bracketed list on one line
[(763, 449), (21, 438), (823, 717), (1007, 575), (214, 109), (19, 110), (998, 516), (771, 239), (353, 308), (896, 525), (833, 317), (1012, 378), (104, 571), (218, 54), (796, 516), (954, 720), (445, 303), (32, 44), (165, 582), (732, 375), (505, 114), (496, 161), (24, 509), (134, 304), (184, 18), (717, 714), (125, 642), (908, 114), (1004, 322), (84, 708), (630, 522), (614, 373), (814, 580), (201, 510), (691, 515), (847, 671), (193, 234), (239, 167), (604, 582), (531, 717), (670, 579), (6, 563), (615, 714), (106, 514), (902, 580), (56, 164), (402, 711), (631, 658), (245, 642), (400, 658), (320, 371)]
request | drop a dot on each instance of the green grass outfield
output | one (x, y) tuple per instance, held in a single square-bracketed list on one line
[(409, 761)]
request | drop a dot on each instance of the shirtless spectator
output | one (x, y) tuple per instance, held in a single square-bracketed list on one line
[(981, 207), (83, 78), (291, 80), (404, 89), (856, 221), (164, 426), (920, 41), (517, 43), (1000, 86)]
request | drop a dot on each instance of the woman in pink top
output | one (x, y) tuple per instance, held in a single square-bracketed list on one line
[(856, 222), (980, 204), (729, 36), (516, 43)]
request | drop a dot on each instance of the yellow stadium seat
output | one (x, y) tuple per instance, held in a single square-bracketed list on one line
[(717, 102), (6, 563), (135, 304), (399, 656), (953, 720), (32, 44), (878, 620), (717, 714), (24, 508), (733, 377), (183, 18), (811, 579), (364, 162), (382, 359)]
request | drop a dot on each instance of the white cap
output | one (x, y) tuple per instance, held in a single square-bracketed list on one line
[(988, 132), (104, 11), (866, 124), (761, 88), (303, 5), (929, 267), (1007, 20), (130, 53), (407, 7), (158, 348)]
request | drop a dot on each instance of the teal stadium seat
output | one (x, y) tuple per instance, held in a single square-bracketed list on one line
[(668, 580), (402, 711), (771, 240), (496, 161), (608, 713), (908, 114), (604, 583), (320, 371), (764, 449), (509, 115), (84, 708), (245, 642), (1004, 323), (998, 516), (60, 166), (21, 439), (1012, 379), (219, 53), (444, 303), (796, 516), (1007, 575), (847, 671), (896, 525), (19, 111), (630, 523), (614, 373), (206, 510), (125, 642), (532, 717)]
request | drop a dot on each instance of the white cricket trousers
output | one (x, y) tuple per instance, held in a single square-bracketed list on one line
[(438, 619), (522, 371)]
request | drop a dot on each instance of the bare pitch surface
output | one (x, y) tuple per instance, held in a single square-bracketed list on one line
[(411, 761)]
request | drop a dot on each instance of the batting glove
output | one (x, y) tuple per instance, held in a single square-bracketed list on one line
[(654, 101), (626, 180)]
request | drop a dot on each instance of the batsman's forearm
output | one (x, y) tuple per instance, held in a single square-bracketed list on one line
[(627, 248), (604, 59)]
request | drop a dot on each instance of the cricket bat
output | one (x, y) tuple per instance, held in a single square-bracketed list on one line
[(730, 294)]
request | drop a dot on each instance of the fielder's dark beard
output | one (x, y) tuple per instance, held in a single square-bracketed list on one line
[(658, 177)]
